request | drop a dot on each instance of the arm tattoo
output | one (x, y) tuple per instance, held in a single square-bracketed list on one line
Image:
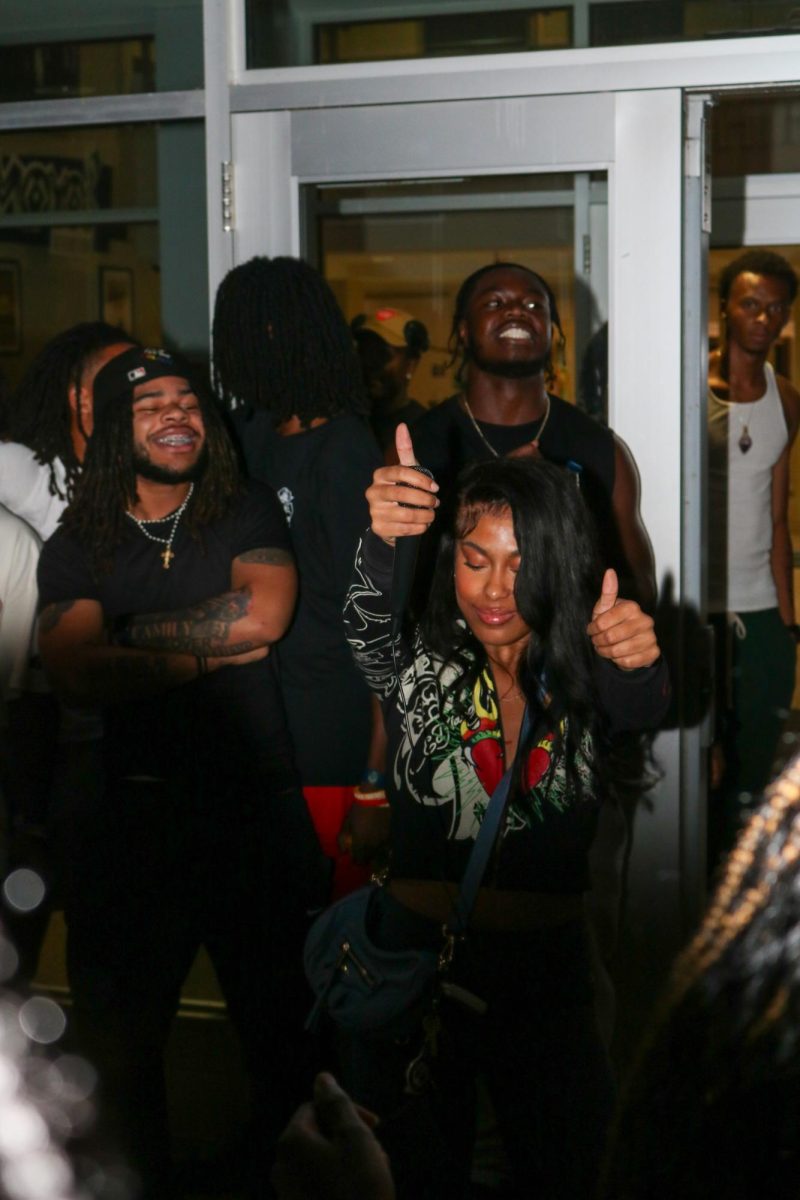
[(52, 614), (204, 629), (270, 556)]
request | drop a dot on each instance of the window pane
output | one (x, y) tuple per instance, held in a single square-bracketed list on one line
[(63, 69), (441, 36), (280, 35), (755, 135), (632, 22), (165, 52), (102, 224), (290, 33)]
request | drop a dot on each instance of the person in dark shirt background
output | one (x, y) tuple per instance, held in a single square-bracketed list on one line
[(390, 343), (283, 354)]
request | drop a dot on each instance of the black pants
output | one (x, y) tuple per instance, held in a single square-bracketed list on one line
[(151, 880), (537, 1047)]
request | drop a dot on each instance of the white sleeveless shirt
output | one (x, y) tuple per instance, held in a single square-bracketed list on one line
[(740, 498)]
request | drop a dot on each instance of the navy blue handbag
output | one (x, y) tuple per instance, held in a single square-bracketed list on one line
[(369, 990)]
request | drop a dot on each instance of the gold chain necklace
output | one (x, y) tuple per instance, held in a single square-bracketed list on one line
[(486, 441), (167, 554)]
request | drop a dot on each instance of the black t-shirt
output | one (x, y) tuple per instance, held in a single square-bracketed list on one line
[(320, 476), (384, 425), (217, 733), (445, 441)]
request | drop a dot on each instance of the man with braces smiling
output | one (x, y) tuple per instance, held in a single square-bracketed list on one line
[(162, 593)]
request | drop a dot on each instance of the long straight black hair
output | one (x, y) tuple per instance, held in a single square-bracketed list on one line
[(557, 585)]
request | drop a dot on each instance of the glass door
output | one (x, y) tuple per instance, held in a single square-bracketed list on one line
[(401, 201)]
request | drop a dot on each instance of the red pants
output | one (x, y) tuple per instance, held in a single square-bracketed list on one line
[(328, 807)]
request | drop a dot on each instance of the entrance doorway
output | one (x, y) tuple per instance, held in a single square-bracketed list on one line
[(410, 245)]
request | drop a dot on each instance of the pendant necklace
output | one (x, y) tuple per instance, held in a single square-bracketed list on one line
[(167, 554), (485, 440), (744, 441)]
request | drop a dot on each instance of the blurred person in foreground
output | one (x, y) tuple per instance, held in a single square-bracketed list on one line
[(713, 1105), (329, 1151)]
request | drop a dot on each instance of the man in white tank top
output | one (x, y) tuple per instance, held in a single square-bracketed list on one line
[(753, 417)]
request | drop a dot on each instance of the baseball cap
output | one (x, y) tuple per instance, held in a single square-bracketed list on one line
[(396, 327), (121, 374)]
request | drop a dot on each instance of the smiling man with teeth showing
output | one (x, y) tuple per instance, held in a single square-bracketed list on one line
[(161, 595), (502, 332)]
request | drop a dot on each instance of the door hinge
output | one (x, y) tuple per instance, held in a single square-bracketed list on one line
[(697, 154), (227, 196)]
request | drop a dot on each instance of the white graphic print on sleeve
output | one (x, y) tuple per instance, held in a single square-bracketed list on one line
[(287, 500)]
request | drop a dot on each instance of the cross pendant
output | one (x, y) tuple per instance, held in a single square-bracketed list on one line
[(167, 557)]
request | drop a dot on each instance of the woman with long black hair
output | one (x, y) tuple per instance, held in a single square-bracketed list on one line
[(521, 616)]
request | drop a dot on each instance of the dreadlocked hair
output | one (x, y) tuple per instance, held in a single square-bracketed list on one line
[(106, 487), (39, 409), (281, 343), (459, 353), (720, 1068), (556, 586)]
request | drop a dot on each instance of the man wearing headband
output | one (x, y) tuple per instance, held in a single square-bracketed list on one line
[(161, 593)]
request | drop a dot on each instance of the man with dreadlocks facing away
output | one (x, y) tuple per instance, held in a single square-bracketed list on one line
[(50, 419), (301, 418), (161, 593)]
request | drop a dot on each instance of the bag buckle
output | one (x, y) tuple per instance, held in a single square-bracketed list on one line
[(347, 955)]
